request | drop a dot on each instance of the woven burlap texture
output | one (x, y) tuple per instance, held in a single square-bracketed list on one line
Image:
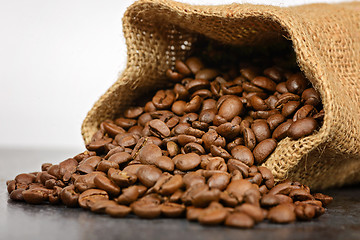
[(325, 38)]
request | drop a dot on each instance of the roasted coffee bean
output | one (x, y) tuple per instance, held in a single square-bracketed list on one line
[(303, 112), (165, 163), (263, 149), (281, 131), (148, 175), (85, 182), (219, 180), (194, 148), (290, 108), (283, 213), (117, 211), (239, 220), (249, 138), (302, 128), (163, 99), (236, 165), (274, 121), (172, 210), (249, 72), (35, 195), (264, 83), (104, 183), (69, 197), (146, 209), (194, 64), (182, 68), (213, 138), (219, 152), (174, 76), (25, 178), (311, 97), (197, 144), (104, 166), (238, 188), (252, 211), (123, 178), (212, 216), (100, 206), (230, 108), (243, 154), (261, 130), (125, 123), (91, 196), (325, 200), (16, 195), (296, 83), (305, 212), (228, 130), (216, 163), (149, 153), (274, 73), (187, 161)]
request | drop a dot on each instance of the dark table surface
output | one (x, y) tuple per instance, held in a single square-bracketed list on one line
[(23, 221)]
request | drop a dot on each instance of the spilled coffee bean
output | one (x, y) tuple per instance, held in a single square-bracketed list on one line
[(194, 151)]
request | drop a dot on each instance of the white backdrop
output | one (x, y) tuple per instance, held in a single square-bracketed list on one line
[(56, 58)]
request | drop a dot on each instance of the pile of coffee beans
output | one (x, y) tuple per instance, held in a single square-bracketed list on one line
[(194, 150)]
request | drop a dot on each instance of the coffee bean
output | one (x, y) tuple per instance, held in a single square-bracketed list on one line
[(281, 131), (125, 123), (149, 153), (325, 200), (159, 128), (261, 130), (264, 149), (252, 211), (91, 196), (146, 209), (172, 210), (228, 130), (219, 180), (216, 163), (275, 120), (187, 161), (100, 206), (243, 154), (123, 178), (148, 175), (117, 211), (69, 197), (212, 216), (239, 220), (265, 83), (85, 182), (193, 213), (16, 195), (249, 138), (163, 99), (274, 73), (35, 195), (311, 97), (302, 128), (104, 183), (297, 83), (182, 68), (230, 108), (282, 213), (197, 144)]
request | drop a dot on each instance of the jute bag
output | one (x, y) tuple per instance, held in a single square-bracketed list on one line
[(325, 38)]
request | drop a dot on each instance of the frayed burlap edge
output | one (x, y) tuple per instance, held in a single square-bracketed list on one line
[(325, 39)]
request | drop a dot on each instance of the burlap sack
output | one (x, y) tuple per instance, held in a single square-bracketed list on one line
[(325, 38)]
